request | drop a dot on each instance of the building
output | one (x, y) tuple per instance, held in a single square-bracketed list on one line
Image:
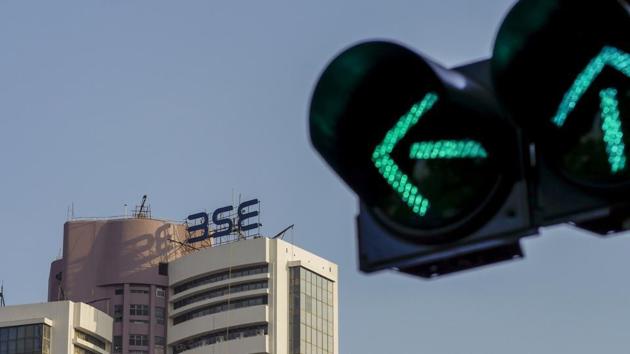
[(253, 296), (119, 267), (62, 327), (245, 294)]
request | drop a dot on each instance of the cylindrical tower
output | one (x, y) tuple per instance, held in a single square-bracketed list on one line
[(120, 267)]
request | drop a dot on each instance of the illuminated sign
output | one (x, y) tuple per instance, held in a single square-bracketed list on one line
[(224, 222)]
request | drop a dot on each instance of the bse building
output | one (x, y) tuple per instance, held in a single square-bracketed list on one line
[(249, 295)]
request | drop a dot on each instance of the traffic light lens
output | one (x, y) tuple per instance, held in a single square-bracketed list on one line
[(597, 154), (386, 166), (432, 182)]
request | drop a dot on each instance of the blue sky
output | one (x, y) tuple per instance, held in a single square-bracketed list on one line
[(190, 102)]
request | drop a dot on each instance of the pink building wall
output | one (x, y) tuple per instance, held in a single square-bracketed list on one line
[(116, 262)]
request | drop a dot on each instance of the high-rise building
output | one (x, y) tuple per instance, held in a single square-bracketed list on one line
[(247, 295), (258, 295), (61, 327), (118, 266)]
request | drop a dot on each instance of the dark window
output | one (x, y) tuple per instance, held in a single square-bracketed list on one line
[(228, 289), (28, 339), (138, 339), (139, 290), (138, 310), (159, 314), (220, 336), (119, 291), (91, 339), (222, 275), (160, 340), (118, 313), (117, 344), (221, 307)]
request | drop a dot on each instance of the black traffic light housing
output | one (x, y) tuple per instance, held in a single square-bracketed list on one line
[(364, 94), (454, 167), (552, 60)]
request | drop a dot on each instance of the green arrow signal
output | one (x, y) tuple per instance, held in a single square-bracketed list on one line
[(381, 157), (611, 126), (612, 56), (609, 106), (447, 149), (441, 149)]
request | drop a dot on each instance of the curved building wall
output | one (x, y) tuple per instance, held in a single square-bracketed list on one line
[(237, 299), (114, 266)]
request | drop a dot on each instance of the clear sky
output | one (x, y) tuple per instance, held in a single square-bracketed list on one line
[(190, 102)]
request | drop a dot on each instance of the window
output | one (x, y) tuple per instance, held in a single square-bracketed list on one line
[(159, 314), (160, 340), (138, 339), (90, 339), (220, 307), (137, 321), (224, 290), (143, 290), (160, 292), (220, 336), (79, 350), (118, 313), (138, 352), (222, 275), (117, 344), (28, 339), (119, 291), (311, 318), (138, 310)]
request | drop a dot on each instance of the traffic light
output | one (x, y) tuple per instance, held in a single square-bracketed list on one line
[(453, 167), (562, 69), (434, 162)]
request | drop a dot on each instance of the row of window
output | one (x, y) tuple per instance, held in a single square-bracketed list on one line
[(159, 292), (229, 289), (222, 275), (221, 307), (79, 350), (311, 313), (137, 340), (220, 336), (91, 339), (28, 339), (140, 310)]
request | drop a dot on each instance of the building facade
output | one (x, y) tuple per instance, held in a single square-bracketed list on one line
[(253, 296), (119, 267), (62, 327)]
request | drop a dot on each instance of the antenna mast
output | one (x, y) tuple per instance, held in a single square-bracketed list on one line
[(2, 303)]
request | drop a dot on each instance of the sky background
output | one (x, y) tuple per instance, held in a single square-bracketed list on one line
[(192, 102)]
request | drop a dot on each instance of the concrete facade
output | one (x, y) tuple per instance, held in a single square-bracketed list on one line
[(114, 265), (72, 327), (237, 298)]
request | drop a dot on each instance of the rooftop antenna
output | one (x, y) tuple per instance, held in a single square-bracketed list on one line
[(281, 234), (144, 210), (2, 303)]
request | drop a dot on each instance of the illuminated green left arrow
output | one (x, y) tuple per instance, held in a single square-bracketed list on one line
[(388, 168), (426, 150)]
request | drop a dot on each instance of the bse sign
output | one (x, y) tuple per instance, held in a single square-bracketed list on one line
[(224, 224)]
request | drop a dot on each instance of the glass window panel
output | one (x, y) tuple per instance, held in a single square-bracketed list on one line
[(20, 332)]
